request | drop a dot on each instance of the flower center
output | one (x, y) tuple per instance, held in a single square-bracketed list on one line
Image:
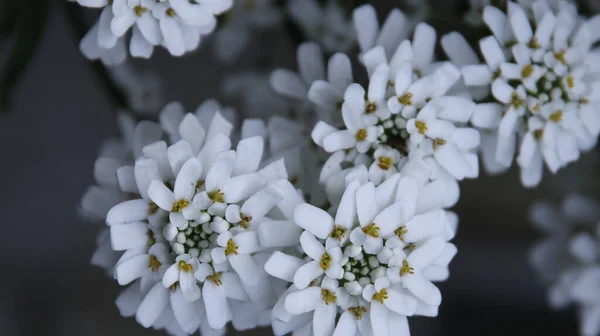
[(406, 269), (358, 312), (421, 126), (570, 82), (193, 238), (538, 134), (139, 10), (151, 239), (516, 101), (328, 297), (216, 196), (371, 230), (381, 296), (215, 278), (385, 162), (438, 142), (338, 232), (400, 232), (180, 205), (153, 208), (534, 44), (325, 261), (556, 116), (560, 56), (406, 99), (361, 135), (154, 264), (185, 266), (231, 248), (370, 108), (245, 222), (527, 71), (170, 12)]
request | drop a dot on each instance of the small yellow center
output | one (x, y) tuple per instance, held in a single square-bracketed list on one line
[(180, 205), (173, 287), (185, 266), (154, 264), (527, 71), (361, 135), (231, 248), (139, 10), (516, 101), (328, 297), (410, 247), (215, 278), (153, 208), (406, 269), (245, 222), (534, 44), (371, 230), (170, 12), (438, 142), (538, 134), (216, 196), (151, 239), (561, 56), (385, 162), (358, 312), (370, 108), (381, 296), (406, 99), (557, 116), (338, 232), (400, 232), (325, 261), (570, 82), (421, 126)]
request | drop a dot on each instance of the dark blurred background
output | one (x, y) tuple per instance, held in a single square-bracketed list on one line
[(49, 141)]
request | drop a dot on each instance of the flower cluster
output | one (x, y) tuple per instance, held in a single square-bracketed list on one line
[(177, 25), (186, 215), (543, 77), (568, 259)]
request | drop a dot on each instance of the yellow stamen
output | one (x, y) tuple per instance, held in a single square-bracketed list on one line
[(216, 196), (358, 312), (151, 239), (231, 248), (561, 56), (527, 71), (325, 261), (328, 297), (370, 108), (180, 205), (385, 162), (361, 135), (338, 232), (171, 12), (400, 232), (557, 116), (381, 296), (421, 126), (173, 287), (139, 10), (185, 266), (215, 278), (245, 222), (406, 269), (406, 99), (516, 101), (438, 142), (154, 264), (538, 134), (371, 230), (570, 82), (534, 44), (153, 208)]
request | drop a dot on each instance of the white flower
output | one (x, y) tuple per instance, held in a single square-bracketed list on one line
[(379, 230), (568, 258), (543, 100), (176, 24), (193, 261)]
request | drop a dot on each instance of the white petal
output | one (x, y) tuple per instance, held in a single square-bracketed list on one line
[(366, 205), (379, 318), (324, 319), (249, 155), (307, 273), (128, 212), (401, 303), (241, 187), (315, 220), (185, 312), (185, 184), (283, 266), (303, 301), (152, 306), (131, 269), (126, 236), (214, 297), (422, 288), (246, 268), (161, 195), (192, 132)]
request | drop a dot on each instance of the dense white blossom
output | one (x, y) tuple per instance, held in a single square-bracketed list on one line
[(568, 259), (371, 262), (542, 74), (177, 25)]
